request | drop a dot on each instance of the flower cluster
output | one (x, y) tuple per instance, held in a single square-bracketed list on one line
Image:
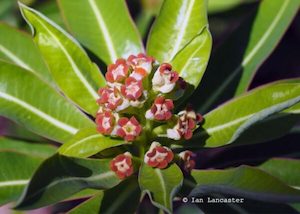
[(138, 98)]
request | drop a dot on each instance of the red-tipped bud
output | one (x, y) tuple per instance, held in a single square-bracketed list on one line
[(122, 165), (105, 122), (132, 89), (141, 64), (161, 109), (117, 72), (164, 79), (129, 129), (187, 122), (188, 162), (158, 156)]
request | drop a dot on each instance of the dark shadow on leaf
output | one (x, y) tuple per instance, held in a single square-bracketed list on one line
[(225, 62), (51, 170)]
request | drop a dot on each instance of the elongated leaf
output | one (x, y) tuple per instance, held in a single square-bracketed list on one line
[(18, 47), (229, 75), (60, 177), (161, 185), (176, 25), (287, 170), (91, 206), (123, 198), (74, 73), (16, 170), (192, 60), (33, 149), (244, 181), (88, 142), (105, 28), (224, 124), (274, 127), (27, 100), (51, 10)]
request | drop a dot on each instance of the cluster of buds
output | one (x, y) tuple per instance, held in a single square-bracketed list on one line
[(140, 92)]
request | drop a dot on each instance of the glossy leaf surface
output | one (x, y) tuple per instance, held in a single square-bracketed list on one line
[(176, 25), (161, 184), (249, 46), (60, 177), (27, 148), (29, 101), (18, 47), (224, 124), (106, 29), (16, 170), (192, 60), (244, 181), (115, 200), (72, 70), (287, 170), (88, 142), (274, 127), (92, 205)]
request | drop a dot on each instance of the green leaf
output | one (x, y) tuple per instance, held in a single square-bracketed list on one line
[(104, 28), (192, 60), (274, 127), (27, 148), (244, 181), (29, 101), (176, 25), (229, 75), (224, 124), (91, 206), (59, 177), (161, 184), (18, 47), (88, 142), (287, 170), (16, 170), (77, 77), (123, 198), (51, 10)]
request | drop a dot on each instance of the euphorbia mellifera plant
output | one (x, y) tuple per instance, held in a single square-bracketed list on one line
[(138, 98), (130, 137)]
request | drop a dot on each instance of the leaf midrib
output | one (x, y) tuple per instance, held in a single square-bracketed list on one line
[(15, 58), (13, 183), (182, 29), (103, 28), (162, 182), (247, 59), (79, 142), (55, 122), (76, 69)]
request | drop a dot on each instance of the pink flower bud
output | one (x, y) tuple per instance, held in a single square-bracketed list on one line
[(122, 165), (161, 109), (110, 97), (186, 157), (129, 129), (141, 64), (187, 121), (164, 79), (132, 89), (158, 156), (105, 122), (117, 72)]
